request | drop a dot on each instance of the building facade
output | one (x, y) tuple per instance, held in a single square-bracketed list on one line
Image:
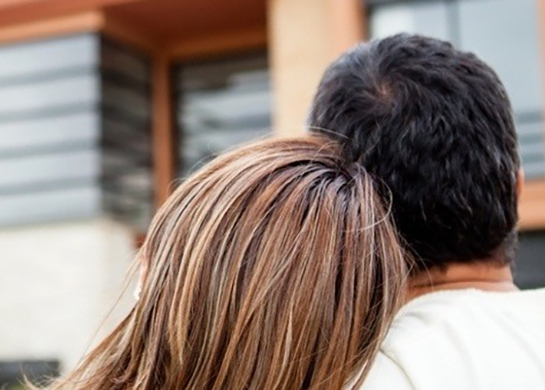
[(106, 104)]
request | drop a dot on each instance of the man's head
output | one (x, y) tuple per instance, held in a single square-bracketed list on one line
[(435, 125)]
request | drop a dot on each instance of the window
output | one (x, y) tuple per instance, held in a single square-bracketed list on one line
[(221, 104)]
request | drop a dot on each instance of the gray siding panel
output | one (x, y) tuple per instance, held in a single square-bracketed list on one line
[(38, 58), (56, 132), (54, 205), (47, 169), (52, 94), (74, 126)]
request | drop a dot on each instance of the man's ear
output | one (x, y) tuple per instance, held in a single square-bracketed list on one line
[(520, 182)]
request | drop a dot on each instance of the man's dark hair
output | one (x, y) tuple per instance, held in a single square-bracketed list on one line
[(435, 125)]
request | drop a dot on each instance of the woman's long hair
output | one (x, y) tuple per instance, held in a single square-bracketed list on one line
[(273, 267)]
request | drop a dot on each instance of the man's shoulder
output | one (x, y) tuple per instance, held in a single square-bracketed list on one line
[(459, 337), (418, 325), (426, 317), (438, 318), (387, 374)]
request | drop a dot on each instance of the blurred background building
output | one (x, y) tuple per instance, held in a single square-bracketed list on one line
[(104, 104)]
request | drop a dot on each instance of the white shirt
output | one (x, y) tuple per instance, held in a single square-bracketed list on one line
[(465, 340)]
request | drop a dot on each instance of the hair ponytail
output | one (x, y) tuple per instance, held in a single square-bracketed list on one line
[(273, 267)]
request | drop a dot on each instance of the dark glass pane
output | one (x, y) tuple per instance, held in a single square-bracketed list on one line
[(116, 59), (127, 178), (530, 264)]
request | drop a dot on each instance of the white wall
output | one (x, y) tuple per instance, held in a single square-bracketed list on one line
[(57, 283)]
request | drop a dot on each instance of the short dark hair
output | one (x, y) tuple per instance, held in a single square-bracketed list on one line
[(435, 125)]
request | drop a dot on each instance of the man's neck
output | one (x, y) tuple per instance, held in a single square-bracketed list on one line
[(478, 275)]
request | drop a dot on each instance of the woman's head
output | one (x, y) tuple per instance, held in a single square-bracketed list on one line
[(273, 267)]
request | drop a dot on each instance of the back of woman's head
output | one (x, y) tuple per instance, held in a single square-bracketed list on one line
[(273, 267)]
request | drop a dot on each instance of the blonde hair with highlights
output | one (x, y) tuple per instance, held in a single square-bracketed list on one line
[(273, 267)]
